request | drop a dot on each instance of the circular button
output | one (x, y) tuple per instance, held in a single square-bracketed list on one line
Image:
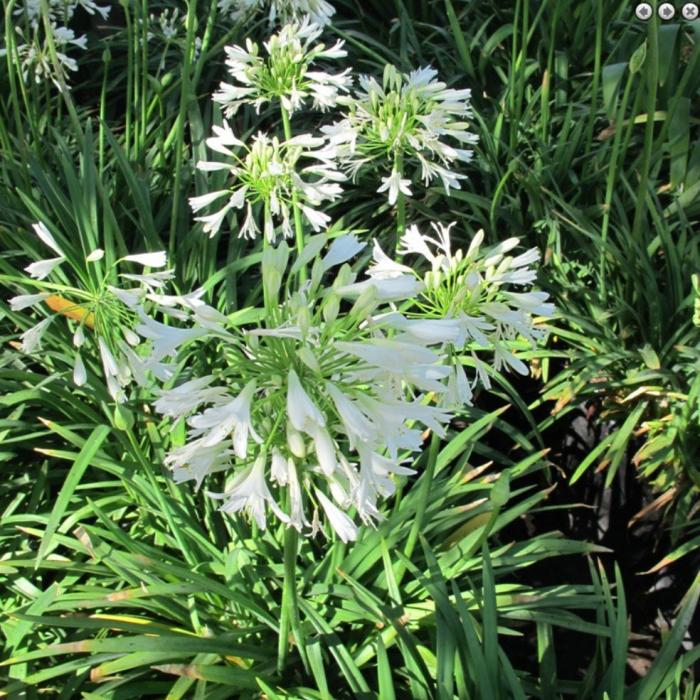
[(667, 11), (643, 11), (690, 11)]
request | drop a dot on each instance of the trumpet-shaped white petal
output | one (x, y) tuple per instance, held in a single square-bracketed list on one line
[(341, 523), (302, 411), (31, 339), (43, 268), (24, 301), (395, 184), (249, 492), (157, 259), (233, 418)]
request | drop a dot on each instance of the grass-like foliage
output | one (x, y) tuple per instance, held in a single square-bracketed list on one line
[(298, 299)]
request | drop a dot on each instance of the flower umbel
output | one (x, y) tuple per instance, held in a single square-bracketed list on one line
[(284, 73), (271, 174), (407, 120)]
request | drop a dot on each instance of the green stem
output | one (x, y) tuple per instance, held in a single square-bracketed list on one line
[(290, 608), (185, 97), (298, 226)]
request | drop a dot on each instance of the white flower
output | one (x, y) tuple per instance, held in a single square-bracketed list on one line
[(43, 268), (23, 301), (384, 267), (79, 371), (31, 339), (96, 255), (148, 259), (195, 461), (183, 399), (344, 527), (300, 171), (217, 423), (395, 184), (284, 73), (166, 339), (411, 116), (250, 492), (45, 235), (303, 413)]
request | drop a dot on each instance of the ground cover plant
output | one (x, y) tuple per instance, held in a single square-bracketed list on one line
[(349, 350)]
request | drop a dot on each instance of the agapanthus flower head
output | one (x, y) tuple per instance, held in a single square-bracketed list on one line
[(472, 302), (32, 47), (104, 311), (319, 11), (34, 57), (409, 122), (324, 402), (283, 71), (271, 174)]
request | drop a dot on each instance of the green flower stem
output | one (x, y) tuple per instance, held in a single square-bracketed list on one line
[(289, 617), (186, 96), (298, 227), (423, 497)]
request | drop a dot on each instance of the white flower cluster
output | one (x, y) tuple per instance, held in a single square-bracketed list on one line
[(319, 11), (409, 118), (32, 46), (323, 405), (109, 318), (284, 73), (269, 172)]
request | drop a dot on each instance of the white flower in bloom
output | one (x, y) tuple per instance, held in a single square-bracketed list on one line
[(148, 259), (24, 301), (411, 116), (33, 53), (320, 11), (31, 339), (104, 319), (284, 73), (43, 268), (250, 492), (342, 524), (231, 419), (338, 398), (272, 174), (195, 462), (395, 184)]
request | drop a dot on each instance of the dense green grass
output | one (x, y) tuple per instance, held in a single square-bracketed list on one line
[(117, 583)]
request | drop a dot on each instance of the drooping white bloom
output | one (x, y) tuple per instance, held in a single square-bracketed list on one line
[(195, 461), (43, 268), (79, 371), (304, 415), (216, 424), (31, 339), (148, 259), (96, 255), (183, 399), (341, 523), (24, 301), (249, 492)]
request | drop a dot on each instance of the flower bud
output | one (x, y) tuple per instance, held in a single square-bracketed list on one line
[(295, 442)]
